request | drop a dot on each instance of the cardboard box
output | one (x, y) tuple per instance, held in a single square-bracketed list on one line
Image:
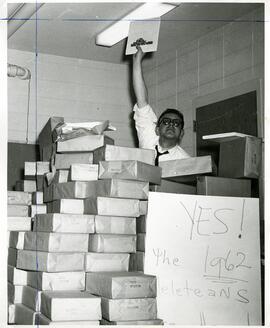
[(129, 170), (64, 161), (16, 276), (37, 197), (16, 239), (117, 153), (62, 175), (18, 223), (69, 190), (97, 262), (24, 315), (115, 224), (123, 188), (112, 206), (216, 186), (56, 242), (31, 298), (136, 262), (141, 224), (70, 305), (26, 185), (83, 172), (187, 169), (50, 262), (143, 207), (40, 182), (18, 210), (31, 169), (112, 243), (56, 280), (19, 198), (121, 284), (42, 320), (14, 293), (11, 313), (84, 143), (45, 136), (66, 223), (173, 187), (38, 209), (12, 256), (240, 158), (141, 242), (156, 322), (129, 309), (66, 206)]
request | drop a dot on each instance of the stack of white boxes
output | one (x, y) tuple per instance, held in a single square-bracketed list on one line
[(89, 231)]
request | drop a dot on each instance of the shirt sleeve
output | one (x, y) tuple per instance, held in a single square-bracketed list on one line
[(145, 123)]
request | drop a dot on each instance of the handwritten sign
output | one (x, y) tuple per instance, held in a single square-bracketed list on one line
[(205, 253)]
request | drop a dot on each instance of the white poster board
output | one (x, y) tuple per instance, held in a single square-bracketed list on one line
[(205, 252)]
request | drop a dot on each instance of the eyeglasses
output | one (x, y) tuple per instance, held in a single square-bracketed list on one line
[(167, 121)]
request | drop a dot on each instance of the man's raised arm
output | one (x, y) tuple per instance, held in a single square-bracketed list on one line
[(138, 80)]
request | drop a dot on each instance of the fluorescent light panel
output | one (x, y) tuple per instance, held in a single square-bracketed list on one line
[(119, 30)]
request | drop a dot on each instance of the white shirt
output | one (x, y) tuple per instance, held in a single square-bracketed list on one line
[(146, 122)]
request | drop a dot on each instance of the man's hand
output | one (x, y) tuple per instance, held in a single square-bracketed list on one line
[(138, 56)]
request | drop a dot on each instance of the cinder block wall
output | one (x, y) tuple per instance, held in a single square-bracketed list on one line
[(79, 90), (224, 58)]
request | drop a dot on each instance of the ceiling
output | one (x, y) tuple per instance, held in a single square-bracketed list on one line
[(69, 29)]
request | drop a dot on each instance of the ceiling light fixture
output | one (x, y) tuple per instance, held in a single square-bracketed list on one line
[(119, 30)]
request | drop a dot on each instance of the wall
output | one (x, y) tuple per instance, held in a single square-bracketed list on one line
[(221, 59), (79, 90)]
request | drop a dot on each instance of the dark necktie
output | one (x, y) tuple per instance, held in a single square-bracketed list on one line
[(159, 154)]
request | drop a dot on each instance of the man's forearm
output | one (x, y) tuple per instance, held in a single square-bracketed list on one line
[(139, 83)]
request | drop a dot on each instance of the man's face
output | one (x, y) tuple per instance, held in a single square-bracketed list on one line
[(167, 130)]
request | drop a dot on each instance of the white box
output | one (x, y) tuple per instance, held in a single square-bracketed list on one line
[(37, 197), (66, 223), (56, 242), (42, 320), (112, 153), (123, 188), (26, 185), (19, 198), (96, 262), (16, 239), (17, 276), (11, 313), (141, 242), (112, 206), (56, 280), (119, 285), (14, 293), (24, 315), (83, 172), (112, 243), (143, 207), (17, 210), (64, 161), (83, 143), (129, 170), (50, 262), (70, 305), (61, 176), (31, 298), (129, 309), (18, 223), (36, 168), (66, 206), (38, 209), (115, 224)]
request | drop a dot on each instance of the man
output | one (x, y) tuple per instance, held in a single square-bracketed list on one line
[(164, 134)]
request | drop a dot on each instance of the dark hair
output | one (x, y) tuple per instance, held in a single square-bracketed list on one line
[(171, 111)]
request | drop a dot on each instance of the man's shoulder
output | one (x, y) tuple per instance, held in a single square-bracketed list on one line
[(182, 152)]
